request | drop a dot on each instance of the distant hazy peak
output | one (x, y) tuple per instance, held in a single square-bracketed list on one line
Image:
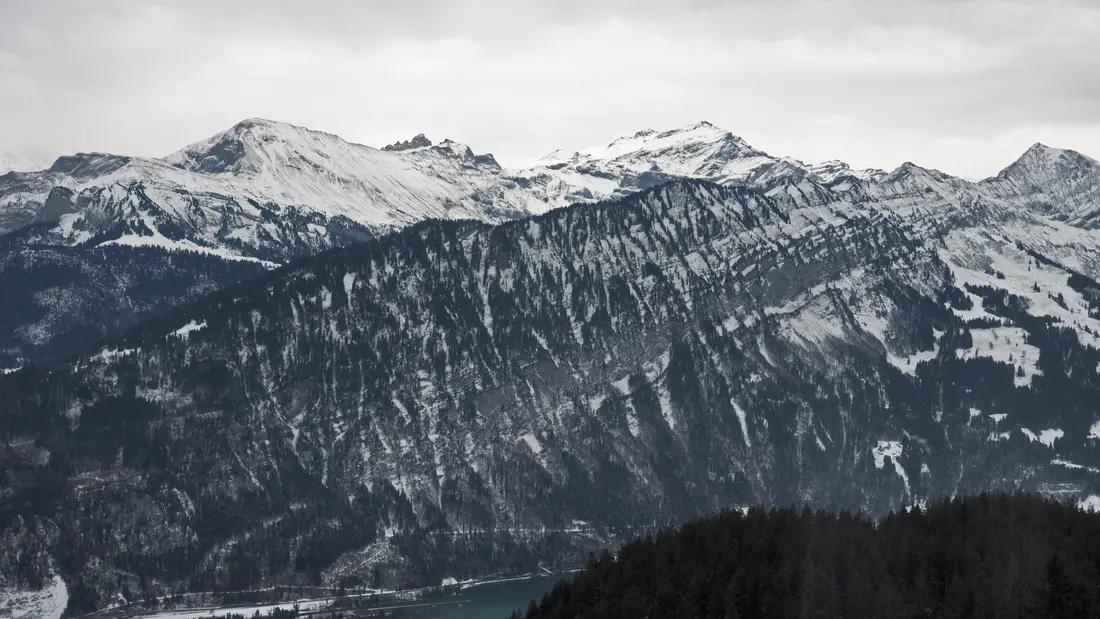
[(21, 161)]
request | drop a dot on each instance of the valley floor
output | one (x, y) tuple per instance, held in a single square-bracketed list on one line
[(381, 600)]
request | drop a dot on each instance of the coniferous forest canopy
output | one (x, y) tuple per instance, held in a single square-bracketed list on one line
[(990, 556)]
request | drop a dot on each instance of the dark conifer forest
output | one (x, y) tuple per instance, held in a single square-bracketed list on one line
[(989, 556)]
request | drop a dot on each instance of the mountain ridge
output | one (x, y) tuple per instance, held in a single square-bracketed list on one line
[(279, 163), (272, 192)]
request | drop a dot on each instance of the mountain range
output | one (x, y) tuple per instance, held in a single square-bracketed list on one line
[(264, 193), (401, 364), (221, 195)]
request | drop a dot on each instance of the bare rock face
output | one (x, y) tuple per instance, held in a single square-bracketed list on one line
[(58, 203), (419, 141)]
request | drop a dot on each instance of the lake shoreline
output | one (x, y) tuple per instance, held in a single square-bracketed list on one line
[(422, 597)]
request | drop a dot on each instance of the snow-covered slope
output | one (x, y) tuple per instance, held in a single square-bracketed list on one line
[(834, 170), (1061, 183), (260, 189), (46, 603), (285, 164), (645, 159)]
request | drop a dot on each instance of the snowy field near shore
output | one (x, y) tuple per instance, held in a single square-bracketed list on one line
[(48, 603)]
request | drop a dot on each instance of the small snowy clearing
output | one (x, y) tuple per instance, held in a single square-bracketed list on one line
[(1006, 345), (1046, 437), (892, 449), (158, 240), (1044, 287), (111, 355), (189, 328), (532, 443), (1090, 503), (48, 603), (1072, 465)]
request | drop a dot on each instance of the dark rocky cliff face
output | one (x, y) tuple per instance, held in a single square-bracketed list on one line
[(433, 402)]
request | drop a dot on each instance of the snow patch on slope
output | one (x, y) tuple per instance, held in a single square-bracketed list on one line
[(1078, 467), (108, 354), (189, 328), (892, 450), (742, 419), (1090, 503), (163, 242), (1046, 437), (532, 443), (1045, 288), (1007, 345), (47, 603)]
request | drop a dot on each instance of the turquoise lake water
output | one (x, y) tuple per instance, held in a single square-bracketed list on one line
[(492, 601)]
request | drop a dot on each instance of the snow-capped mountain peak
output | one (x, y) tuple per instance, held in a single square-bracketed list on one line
[(648, 157), (830, 171), (909, 169), (455, 148), (694, 138), (1040, 161), (241, 188), (254, 144), (1059, 182)]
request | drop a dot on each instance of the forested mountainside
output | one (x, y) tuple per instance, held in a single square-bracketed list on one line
[(990, 556), (458, 396), (59, 300)]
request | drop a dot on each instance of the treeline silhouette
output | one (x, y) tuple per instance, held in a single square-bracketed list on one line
[(989, 556)]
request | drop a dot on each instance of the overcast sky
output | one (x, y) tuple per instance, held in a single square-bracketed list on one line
[(963, 86)]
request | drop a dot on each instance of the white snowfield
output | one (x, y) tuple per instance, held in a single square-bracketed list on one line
[(47, 603)]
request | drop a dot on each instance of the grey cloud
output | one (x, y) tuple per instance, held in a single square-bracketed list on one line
[(959, 84)]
